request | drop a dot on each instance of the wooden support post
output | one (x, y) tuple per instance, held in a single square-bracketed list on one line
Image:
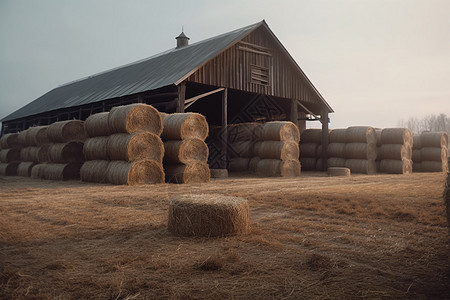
[(325, 137), (181, 97), (224, 162)]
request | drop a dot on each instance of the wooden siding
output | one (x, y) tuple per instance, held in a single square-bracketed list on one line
[(245, 65)]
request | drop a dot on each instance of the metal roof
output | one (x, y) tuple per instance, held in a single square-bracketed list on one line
[(167, 68)]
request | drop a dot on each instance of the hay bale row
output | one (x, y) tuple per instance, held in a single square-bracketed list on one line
[(66, 131), (430, 152), (134, 118), (395, 150), (9, 140), (10, 155)]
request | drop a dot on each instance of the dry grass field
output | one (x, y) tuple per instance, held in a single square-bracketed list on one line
[(381, 236)]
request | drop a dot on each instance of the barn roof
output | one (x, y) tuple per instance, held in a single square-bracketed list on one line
[(164, 69)]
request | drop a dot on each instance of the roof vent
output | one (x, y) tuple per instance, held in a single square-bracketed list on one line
[(182, 40)]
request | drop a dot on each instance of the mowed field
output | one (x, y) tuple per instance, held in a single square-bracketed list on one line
[(382, 236)]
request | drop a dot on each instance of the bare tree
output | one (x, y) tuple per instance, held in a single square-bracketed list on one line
[(429, 123)]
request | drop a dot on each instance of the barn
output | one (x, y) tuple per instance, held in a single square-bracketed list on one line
[(245, 75)]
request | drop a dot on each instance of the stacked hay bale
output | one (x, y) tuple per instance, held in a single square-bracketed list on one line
[(242, 139), (311, 150), (360, 150), (336, 148), (431, 152), (186, 153), (415, 157), (278, 150), (9, 154), (35, 150), (395, 152)]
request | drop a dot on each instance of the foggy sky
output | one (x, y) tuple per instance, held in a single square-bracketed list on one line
[(375, 62)]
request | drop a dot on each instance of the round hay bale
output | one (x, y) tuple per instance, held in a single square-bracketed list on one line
[(396, 166), (434, 139), (280, 131), (9, 140), (133, 118), (434, 166), (249, 132), (66, 171), (9, 169), (417, 142), (278, 168), (361, 134), (416, 156), (256, 148), (94, 171), (208, 215), (38, 154), (336, 162), (10, 155), (180, 126), (25, 154), (219, 173), (363, 166), (338, 135), (37, 136), (283, 150), (184, 151), (97, 125), (433, 154), (22, 138), (312, 135), (360, 151), (253, 164), (239, 164), (24, 168), (135, 146), (396, 151), (143, 171), (396, 136), (63, 153), (335, 171), (66, 131), (308, 163), (37, 171), (96, 148), (336, 150), (308, 149), (193, 172), (242, 149)]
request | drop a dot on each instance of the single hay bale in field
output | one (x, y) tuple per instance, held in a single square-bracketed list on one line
[(96, 148), (143, 171), (336, 150), (434, 139), (338, 135), (10, 155), (239, 164), (135, 146), (280, 131), (360, 151), (180, 126), (24, 168), (67, 171), (97, 125), (417, 142), (208, 215), (416, 156), (94, 171), (38, 154), (9, 140), (335, 171), (311, 136), (193, 172), (308, 149), (434, 166), (396, 136), (244, 132), (253, 164), (396, 166), (363, 166), (67, 131), (37, 171), (433, 154), (184, 151), (219, 173), (63, 153), (279, 150), (9, 169), (308, 163), (133, 118), (241, 149), (396, 151), (37, 136), (361, 134), (278, 168), (338, 162)]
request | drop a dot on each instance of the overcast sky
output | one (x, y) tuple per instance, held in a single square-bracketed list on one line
[(374, 61)]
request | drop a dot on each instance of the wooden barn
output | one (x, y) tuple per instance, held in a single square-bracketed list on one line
[(245, 75)]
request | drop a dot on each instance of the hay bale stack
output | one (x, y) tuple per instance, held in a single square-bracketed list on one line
[(96, 148), (10, 155), (97, 125), (66, 131), (395, 151), (94, 171), (66, 171), (239, 164), (208, 215), (430, 152), (192, 172), (9, 169), (278, 168), (284, 131), (333, 171), (9, 140), (336, 148), (37, 136), (132, 147), (180, 126), (185, 151), (360, 149), (63, 153), (143, 171), (134, 118), (310, 149), (24, 168)]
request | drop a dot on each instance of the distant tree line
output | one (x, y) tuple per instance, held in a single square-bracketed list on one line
[(428, 123)]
